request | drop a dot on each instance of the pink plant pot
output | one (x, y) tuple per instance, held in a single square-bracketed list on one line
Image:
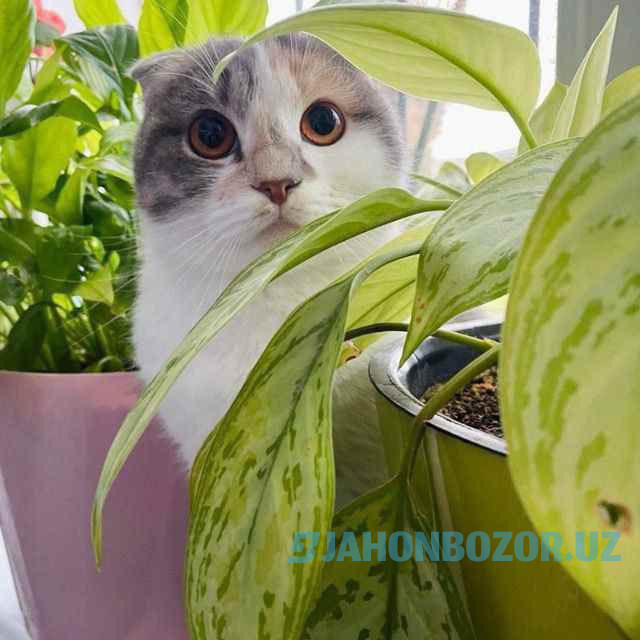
[(55, 431)]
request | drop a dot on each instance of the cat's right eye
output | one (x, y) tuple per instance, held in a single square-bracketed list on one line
[(212, 136)]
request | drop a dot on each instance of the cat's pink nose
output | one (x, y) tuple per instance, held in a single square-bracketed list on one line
[(277, 190)]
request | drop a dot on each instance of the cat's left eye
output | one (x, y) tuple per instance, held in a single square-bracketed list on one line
[(322, 123), (212, 136)]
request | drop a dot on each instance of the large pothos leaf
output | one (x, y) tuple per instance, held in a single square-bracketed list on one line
[(267, 473), (428, 53), (236, 296), (385, 598), (162, 25), (544, 117), (219, 17), (468, 258), (621, 89), (570, 394), (97, 13), (581, 108), (17, 37)]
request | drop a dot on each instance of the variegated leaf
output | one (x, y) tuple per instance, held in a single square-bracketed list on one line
[(428, 53), (581, 108), (345, 224), (375, 598), (570, 366), (265, 473), (468, 258)]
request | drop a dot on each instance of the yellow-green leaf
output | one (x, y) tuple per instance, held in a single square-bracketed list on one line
[(428, 53), (219, 17), (468, 258), (386, 598), (162, 25), (236, 296), (581, 108), (97, 13), (570, 389), (17, 37), (544, 117), (98, 287), (34, 160), (621, 89), (482, 165)]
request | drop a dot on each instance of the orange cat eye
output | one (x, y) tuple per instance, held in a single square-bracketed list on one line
[(322, 123), (212, 136)]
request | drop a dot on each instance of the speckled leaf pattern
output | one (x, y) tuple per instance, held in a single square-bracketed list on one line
[(429, 53), (468, 258), (375, 600), (265, 473), (570, 390), (581, 108), (235, 297)]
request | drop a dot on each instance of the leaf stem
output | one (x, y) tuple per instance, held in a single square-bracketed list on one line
[(452, 191), (440, 398), (525, 129)]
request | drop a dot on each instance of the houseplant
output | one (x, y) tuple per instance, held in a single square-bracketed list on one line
[(447, 57), (68, 117)]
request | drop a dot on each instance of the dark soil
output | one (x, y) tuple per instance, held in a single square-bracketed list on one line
[(477, 404)]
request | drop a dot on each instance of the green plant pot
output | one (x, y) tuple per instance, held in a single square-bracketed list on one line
[(473, 490)]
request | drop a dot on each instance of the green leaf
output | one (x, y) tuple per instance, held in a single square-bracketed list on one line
[(35, 160), (104, 56), (17, 37), (621, 89), (218, 17), (235, 297), (570, 394), (120, 135), (13, 248), (482, 165), (468, 258), (240, 473), (544, 117), (98, 287), (97, 13), (71, 198), (385, 598), (162, 25), (118, 166), (582, 106), (61, 251), (428, 53), (29, 116), (25, 341), (45, 33), (12, 289)]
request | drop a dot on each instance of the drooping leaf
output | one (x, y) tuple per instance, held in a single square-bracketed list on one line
[(239, 476), (621, 89), (98, 13), (236, 296), (35, 159), (29, 116), (581, 108), (384, 597), (98, 287), (468, 258), (162, 25), (17, 37), (428, 53), (571, 392), (218, 17), (482, 165), (544, 117)]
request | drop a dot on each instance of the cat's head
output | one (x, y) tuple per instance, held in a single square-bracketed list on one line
[(289, 132)]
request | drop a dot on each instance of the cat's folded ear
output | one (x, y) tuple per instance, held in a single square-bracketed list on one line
[(148, 71)]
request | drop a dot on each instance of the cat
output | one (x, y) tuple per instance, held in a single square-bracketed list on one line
[(226, 170)]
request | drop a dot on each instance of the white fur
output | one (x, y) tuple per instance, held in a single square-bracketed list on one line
[(188, 260)]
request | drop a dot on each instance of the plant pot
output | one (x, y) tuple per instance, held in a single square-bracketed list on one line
[(55, 431), (474, 492)]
